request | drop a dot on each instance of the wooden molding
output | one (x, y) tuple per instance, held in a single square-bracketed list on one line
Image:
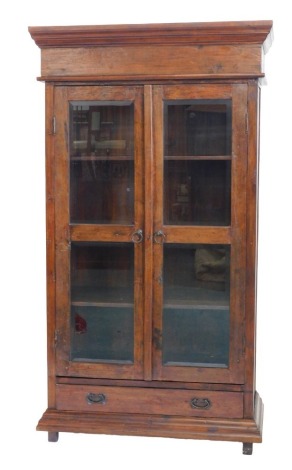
[(245, 32), (152, 52), (142, 79), (240, 430)]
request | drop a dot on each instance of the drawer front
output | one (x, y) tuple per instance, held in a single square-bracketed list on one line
[(149, 401)]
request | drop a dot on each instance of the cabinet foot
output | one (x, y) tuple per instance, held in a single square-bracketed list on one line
[(53, 436), (247, 448)]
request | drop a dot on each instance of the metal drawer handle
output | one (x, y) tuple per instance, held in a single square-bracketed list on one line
[(200, 403), (95, 398), (159, 237), (137, 236)]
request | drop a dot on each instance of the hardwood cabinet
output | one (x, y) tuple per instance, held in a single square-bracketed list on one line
[(152, 168)]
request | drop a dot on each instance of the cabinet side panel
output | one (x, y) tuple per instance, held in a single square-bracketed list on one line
[(251, 231), (50, 228), (153, 60)]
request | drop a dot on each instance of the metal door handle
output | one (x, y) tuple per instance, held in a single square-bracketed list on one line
[(159, 237), (137, 236)]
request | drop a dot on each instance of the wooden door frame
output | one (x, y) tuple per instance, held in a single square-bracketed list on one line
[(233, 235), (66, 232)]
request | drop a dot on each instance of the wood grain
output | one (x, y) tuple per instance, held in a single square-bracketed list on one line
[(241, 430), (197, 234), (251, 240), (238, 230), (50, 237), (150, 384), (148, 243), (223, 60), (152, 401), (101, 233), (245, 32), (61, 182)]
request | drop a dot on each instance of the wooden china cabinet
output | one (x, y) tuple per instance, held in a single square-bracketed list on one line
[(152, 169)]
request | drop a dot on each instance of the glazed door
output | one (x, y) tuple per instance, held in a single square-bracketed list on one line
[(199, 232), (150, 231), (99, 231)]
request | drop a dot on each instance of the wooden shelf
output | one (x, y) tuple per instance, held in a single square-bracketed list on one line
[(101, 304), (192, 298), (93, 297), (195, 298), (197, 157), (195, 305), (95, 158)]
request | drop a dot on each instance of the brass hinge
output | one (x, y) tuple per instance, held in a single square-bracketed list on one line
[(56, 338), (53, 125), (242, 352), (157, 339)]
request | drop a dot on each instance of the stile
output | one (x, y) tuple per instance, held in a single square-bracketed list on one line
[(251, 240), (148, 251), (50, 235)]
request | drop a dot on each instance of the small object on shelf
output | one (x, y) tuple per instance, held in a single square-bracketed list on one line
[(80, 324)]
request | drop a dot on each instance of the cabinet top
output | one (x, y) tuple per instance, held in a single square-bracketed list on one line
[(229, 50), (232, 33)]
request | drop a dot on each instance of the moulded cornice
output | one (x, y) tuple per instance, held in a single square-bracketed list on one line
[(237, 32)]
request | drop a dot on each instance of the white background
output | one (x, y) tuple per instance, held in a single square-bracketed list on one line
[(22, 255)]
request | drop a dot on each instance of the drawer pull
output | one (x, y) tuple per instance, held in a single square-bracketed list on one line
[(95, 398), (200, 403)]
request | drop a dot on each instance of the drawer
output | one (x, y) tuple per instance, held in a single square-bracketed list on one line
[(149, 401)]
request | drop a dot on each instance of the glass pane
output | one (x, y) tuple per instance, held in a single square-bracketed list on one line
[(102, 334), (197, 128), (102, 162), (197, 192), (196, 305), (102, 300)]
